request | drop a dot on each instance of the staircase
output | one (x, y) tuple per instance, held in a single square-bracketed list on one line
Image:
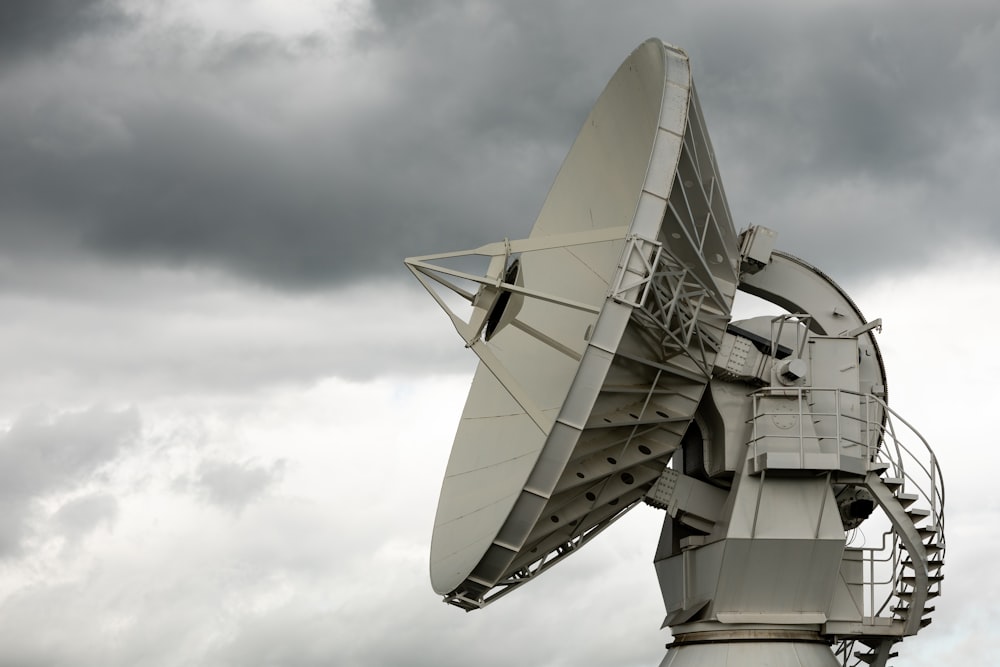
[(906, 483)]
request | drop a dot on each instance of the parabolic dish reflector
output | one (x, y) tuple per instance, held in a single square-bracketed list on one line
[(597, 336)]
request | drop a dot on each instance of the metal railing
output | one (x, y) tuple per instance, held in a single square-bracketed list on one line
[(868, 421), (894, 446)]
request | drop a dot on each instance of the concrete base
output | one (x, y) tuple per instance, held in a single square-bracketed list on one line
[(750, 653)]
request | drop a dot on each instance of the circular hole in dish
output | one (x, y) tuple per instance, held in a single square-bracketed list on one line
[(496, 312), (612, 460), (628, 478), (645, 450)]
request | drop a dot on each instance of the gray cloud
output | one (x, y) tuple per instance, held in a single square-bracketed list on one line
[(77, 517), (261, 49), (351, 629), (308, 160), (207, 223), (41, 452), (233, 485), (843, 132), (93, 333), (30, 27), (44, 453)]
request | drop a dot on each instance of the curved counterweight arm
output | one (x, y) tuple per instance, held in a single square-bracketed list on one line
[(798, 287)]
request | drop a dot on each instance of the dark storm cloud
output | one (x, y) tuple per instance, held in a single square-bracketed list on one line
[(42, 454), (200, 171), (260, 49), (134, 174), (320, 158), (845, 131), (32, 26)]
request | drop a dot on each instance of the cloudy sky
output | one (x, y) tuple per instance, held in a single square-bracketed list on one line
[(226, 407)]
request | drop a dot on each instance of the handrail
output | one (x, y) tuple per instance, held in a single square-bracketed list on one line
[(931, 470), (884, 441)]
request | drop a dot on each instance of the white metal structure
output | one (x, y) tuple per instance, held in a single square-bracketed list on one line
[(610, 374)]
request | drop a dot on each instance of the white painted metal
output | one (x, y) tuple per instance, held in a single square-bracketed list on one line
[(628, 278), (598, 336), (804, 451), (772, 650)]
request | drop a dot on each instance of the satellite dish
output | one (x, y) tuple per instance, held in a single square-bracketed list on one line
[(624, 290), (610, 374)]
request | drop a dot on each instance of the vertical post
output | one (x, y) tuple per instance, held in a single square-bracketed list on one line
[(868, 433), (933, 476), (837, 417), (685, 576), (871, 583), (802, 447)]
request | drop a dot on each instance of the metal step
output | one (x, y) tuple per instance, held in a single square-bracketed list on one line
[(927, 531), (931, 564), (872, 656), (907, 499), (908, 595), (931, 579), (918, 514), (893, 483)]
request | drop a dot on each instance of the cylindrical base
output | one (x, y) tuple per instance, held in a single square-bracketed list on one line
[(750, 649)]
